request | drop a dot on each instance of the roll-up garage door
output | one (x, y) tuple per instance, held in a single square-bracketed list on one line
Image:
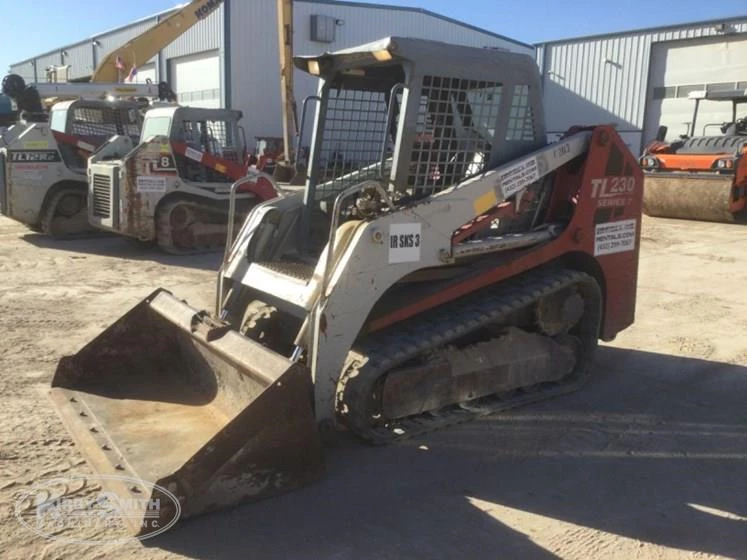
[(196, 79), (678, 68)]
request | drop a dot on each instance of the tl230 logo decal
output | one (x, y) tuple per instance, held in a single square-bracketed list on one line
[(612, 191), (612, 186)]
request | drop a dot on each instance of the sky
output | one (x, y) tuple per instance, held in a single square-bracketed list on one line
[(31, 27)]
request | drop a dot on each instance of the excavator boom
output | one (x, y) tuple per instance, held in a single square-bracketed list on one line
[(118, 63)]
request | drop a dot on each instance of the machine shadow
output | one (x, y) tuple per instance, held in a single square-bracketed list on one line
[(106, 245), (653, 449)]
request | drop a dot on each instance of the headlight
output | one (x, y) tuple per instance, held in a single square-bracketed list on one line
[(649, 162), (725, 164)]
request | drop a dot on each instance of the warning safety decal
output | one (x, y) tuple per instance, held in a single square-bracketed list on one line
[(518, 176), (614, 237), (151, 184)]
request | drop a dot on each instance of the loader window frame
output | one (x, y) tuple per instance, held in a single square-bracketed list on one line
[(93, 122), (58, 120), (356, 107), (154, 126), (520, 126)]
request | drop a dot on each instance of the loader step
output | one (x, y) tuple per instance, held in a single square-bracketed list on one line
[(295, 270), (283, 280)]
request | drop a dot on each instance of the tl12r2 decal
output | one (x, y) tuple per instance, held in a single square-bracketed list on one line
[(37, 156)]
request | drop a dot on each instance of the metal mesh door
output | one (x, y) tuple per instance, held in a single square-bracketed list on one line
[(355, 129), (214, 137), (455, 131), (521, 120), (98, 124)]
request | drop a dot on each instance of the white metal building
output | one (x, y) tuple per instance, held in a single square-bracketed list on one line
[(641, 79), (231, 58)]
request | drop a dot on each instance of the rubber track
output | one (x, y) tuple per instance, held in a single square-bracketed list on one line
[(164, 238), (382, 352), (50, 212)]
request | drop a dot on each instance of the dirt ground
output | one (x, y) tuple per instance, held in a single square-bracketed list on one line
[(648, 461)]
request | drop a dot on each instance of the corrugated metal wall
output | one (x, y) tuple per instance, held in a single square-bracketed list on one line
[(605, 79), (254, 66), (255, 86), (43, 62), (80, 59), (83, 57), (24, 69)]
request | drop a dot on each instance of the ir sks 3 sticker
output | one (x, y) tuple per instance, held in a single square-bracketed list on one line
[(613, 191), (404, 242)]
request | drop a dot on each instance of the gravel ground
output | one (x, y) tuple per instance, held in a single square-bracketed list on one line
[(647, 461)]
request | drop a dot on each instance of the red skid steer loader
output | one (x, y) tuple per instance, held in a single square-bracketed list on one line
[(443, 262)]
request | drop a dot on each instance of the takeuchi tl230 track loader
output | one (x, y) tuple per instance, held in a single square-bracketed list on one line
[(43, 156), (700, 177), (443, 262), (173, 186)]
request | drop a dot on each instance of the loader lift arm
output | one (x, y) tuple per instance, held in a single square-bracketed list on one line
[(288, 100)]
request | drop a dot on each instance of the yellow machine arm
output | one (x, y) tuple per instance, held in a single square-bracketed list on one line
[(285, 45), (145, 46)]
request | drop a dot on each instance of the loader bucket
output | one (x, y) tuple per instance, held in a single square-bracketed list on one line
[(168, 396), (688, 196)]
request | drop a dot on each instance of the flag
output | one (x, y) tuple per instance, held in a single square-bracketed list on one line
[(132, 74), (118, 63)]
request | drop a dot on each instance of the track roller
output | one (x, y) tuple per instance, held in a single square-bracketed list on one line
[(187, 226)]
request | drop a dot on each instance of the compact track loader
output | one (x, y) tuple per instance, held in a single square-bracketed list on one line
[(43, 156), (173, 186), (700, 177), (442, 262)]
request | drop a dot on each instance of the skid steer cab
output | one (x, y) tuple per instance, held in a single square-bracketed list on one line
[(173, 186), (44, 154), (443, 262), (43, 159), (701, 175)]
